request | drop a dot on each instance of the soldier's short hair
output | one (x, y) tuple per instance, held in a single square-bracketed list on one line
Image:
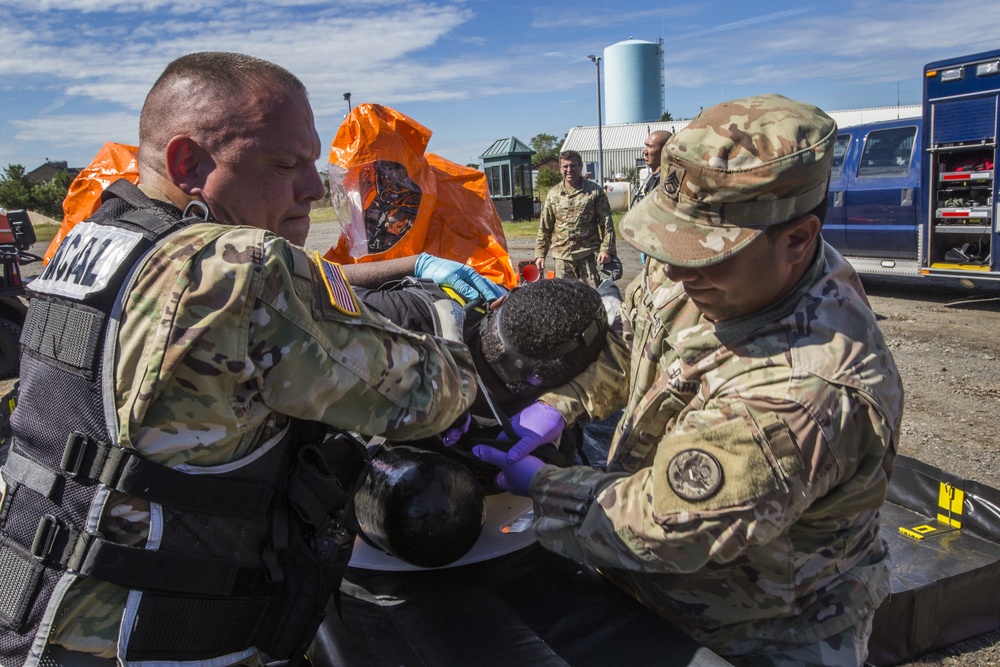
[(571, 155), (198, 93)]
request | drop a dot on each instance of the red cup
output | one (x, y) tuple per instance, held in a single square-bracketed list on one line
[(529, 272)]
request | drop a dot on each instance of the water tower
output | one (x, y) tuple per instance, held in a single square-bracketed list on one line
[(633, 75)]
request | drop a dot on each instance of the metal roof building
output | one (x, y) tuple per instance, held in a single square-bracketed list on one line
[(622, 144)]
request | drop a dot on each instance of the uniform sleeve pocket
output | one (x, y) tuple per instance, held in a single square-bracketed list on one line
[(734, 462)]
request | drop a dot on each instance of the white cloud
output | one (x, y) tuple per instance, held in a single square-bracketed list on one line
[(77, 130), (100, 56)]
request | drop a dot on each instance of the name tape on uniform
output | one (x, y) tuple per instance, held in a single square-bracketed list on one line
[(86, 261)]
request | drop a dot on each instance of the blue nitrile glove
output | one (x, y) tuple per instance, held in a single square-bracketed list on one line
[(460, 277), (536, 425), (457, 430), (513, 477)]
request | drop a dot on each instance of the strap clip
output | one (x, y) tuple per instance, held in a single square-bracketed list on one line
[(45, 536), (73, 454)]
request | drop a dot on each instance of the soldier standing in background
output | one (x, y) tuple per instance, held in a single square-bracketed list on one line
[(651, 149), (576, 225), (762, 406)]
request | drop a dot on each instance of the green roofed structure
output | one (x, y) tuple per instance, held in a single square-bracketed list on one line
[(507, 163)]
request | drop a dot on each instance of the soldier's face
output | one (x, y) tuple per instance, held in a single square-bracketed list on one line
[(754, 278), (651, 149), (571, 171), (267, 176)]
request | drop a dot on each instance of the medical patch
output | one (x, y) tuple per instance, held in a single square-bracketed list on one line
[(337, 288), (694, 474)]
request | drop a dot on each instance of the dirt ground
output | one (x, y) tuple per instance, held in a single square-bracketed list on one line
[(943, 337), (944, 340)]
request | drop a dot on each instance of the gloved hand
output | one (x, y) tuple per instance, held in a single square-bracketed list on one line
[(460, 277), (536, 425), (513, 477), (457, 430)]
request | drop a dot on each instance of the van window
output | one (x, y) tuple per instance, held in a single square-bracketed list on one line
[(839, 151), (888, 152)]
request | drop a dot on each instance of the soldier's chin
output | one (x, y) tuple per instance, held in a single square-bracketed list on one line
[(295, 230)]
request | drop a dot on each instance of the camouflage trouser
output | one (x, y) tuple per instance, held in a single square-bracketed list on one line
[(582, 269), (846, 649)]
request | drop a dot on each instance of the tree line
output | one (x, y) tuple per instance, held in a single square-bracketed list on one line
[(18, 191)]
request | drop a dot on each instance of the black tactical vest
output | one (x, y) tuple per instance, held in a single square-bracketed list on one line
[(240, 558)]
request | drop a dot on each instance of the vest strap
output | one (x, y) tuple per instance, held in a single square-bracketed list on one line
[(124, 470)]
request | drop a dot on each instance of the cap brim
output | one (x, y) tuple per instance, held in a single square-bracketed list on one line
[(651, 228)]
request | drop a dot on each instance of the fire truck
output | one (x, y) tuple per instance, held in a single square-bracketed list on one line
[(919, 196)]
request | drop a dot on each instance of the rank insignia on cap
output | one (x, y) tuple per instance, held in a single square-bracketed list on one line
[(672, 183), (337, 288), (694, 474)]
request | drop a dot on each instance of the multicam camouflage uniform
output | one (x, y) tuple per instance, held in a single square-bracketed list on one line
[(228, 331), (575, 225), (743, 485)]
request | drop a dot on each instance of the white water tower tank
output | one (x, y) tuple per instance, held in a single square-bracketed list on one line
[(633, 82)]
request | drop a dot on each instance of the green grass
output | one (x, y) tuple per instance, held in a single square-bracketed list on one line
[(519, 229), (321, 214), (45, 233)]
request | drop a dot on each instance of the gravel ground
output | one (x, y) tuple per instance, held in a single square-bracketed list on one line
[(943, 338)]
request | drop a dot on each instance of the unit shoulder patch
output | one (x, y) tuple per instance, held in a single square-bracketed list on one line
[(694, 474)]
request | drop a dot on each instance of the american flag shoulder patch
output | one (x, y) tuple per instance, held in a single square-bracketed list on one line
[(337, 288)]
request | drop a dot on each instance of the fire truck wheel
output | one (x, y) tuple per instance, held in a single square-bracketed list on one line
[(10, 351)]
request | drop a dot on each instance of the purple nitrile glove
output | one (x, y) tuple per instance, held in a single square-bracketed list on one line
[(460, 277), (513, 477), (536, 425), (457, 430)]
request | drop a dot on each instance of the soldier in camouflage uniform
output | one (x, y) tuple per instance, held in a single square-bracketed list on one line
[(762, 406), (229, 329), (576, 225)]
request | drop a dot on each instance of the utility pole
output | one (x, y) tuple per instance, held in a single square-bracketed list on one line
[(600, 144)]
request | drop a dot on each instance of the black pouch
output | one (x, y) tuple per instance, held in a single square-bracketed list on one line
[(295, 613), (22, 574), (321, 531)]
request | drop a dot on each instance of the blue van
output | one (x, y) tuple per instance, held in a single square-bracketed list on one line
[(874, 212), (918, 196)]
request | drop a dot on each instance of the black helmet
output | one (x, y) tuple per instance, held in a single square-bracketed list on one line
[(421, 506)]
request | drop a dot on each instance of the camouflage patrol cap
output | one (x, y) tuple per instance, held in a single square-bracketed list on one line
[(737, 168)]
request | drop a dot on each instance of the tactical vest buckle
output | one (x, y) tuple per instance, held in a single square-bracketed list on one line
[(73, 454), (45, 536)]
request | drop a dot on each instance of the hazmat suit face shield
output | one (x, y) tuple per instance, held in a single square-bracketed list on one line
[(375, 204)]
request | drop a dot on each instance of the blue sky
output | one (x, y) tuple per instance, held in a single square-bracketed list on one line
[(73, 73)]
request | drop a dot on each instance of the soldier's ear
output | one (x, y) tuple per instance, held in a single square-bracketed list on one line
[(798, 240), (188, 164)]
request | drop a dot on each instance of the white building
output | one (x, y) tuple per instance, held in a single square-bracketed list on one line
[(622, 143)]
